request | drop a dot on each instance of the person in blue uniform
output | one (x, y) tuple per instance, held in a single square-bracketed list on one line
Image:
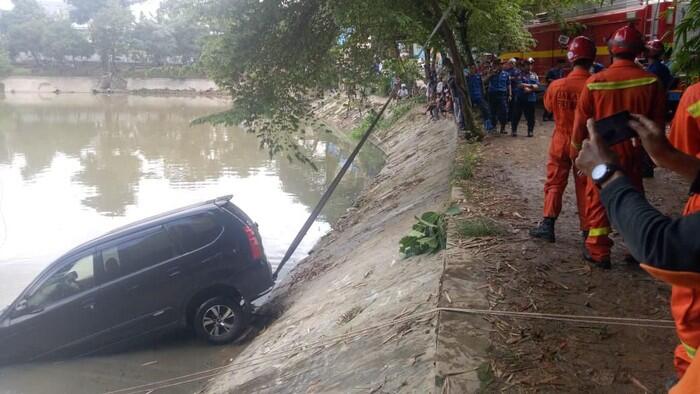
[(554, 73), (498, 95), (524, 98), (476, 94), (655, 53)]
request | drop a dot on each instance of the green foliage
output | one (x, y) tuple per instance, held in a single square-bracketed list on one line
[(465, 168), (428, 235), (686, 54), (398, 111), (478, 227), (109, 31)]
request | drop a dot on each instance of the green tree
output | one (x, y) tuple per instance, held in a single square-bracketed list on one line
[(24, 28), (61, 40), (110, 32), (686, 55), (272, 56), (83, 11), (152, 41)]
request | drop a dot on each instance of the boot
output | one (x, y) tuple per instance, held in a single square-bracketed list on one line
[(603, 264), (545, 230), (503, 129), (530, 133)]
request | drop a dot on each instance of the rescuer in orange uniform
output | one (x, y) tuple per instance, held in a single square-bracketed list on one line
[(623, 86), (561, 99), (685, 300)]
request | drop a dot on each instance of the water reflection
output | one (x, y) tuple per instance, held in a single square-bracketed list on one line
[(74, 166)]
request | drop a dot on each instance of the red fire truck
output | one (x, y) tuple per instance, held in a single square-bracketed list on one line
[(654, 18)]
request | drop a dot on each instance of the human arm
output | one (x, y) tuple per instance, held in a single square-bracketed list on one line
[(662, 242), (660, 149)]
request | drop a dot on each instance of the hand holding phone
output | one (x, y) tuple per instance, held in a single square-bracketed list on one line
[(615, 128)]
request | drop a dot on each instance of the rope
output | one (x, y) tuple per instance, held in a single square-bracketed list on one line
[(322, 343), (329, 192)]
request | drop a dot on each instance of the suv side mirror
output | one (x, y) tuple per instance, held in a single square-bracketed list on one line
[(21, 306)]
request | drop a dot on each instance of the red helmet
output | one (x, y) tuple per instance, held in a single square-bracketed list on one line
[(581, 47), (626, 40), (655, 48)]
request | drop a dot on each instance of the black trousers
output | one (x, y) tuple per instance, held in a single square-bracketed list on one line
[(523, 107), (498, 106)]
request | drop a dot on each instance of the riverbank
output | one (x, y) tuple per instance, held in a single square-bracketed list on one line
[(136, 86), (354, 314)]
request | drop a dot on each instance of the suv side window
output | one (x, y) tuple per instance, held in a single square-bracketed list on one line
[(129, 256), (195, 231), (73, 278)]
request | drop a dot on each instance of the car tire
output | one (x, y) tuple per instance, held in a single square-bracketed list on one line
[(220, 320)]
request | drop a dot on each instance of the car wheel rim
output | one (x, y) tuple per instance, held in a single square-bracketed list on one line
[(218, 320)]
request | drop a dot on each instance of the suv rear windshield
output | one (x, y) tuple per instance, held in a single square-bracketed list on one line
[(195, 231)]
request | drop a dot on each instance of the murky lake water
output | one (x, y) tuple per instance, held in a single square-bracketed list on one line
[(75, 166)]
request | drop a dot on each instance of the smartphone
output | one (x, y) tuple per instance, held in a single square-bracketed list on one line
[(615, 128)]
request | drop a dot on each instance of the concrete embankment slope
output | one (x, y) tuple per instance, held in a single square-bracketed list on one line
[(355, 280)]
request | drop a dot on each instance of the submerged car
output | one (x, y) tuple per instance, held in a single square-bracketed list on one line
[(198, 267)]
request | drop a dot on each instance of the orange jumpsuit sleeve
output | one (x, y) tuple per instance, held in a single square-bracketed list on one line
[(685, 129), (584, 110)]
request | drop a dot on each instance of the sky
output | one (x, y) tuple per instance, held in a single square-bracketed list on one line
[(147, 7)]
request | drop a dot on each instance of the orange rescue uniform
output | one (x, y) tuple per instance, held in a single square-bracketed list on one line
[(685, 300), (561, 99), (623, 86)]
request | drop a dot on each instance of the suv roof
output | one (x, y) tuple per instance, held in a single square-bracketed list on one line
[(151, 221)]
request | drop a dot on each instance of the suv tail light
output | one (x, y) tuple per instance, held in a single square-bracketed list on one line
[(255, 250)]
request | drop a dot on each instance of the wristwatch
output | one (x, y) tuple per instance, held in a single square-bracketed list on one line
[(603, 172)]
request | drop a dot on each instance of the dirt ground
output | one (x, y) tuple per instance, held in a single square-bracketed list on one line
[(520, 274)]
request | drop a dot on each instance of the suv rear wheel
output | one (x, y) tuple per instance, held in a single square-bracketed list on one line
[(220, 320)]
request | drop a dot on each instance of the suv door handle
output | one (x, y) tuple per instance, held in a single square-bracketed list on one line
[(173, 273), (89, 305), (212, 258)]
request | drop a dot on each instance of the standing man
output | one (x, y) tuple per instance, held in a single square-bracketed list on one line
[(512, 67), (561, 99), (621, 87), (553, 74), (499, 91), (655, 53), (476, 94), (524, 98)]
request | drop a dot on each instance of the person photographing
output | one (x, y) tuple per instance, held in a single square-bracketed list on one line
[(670, 249)]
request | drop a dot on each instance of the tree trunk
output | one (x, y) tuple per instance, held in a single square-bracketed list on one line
[(426, 66), (457, 68), (463, 21)]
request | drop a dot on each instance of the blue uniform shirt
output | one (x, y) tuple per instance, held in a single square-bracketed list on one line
[(554, 73), (499, 82), (529, 78), (660, 70), (514, 78), (475, 86)]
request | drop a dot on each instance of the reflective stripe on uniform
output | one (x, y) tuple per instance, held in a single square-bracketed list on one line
[(630, 83), (599, 231), (694, 109), (689, 349), (576, 146)]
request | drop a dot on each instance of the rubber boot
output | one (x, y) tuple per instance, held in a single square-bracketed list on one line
[(604, 264), (545, 230), (530, 133)]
